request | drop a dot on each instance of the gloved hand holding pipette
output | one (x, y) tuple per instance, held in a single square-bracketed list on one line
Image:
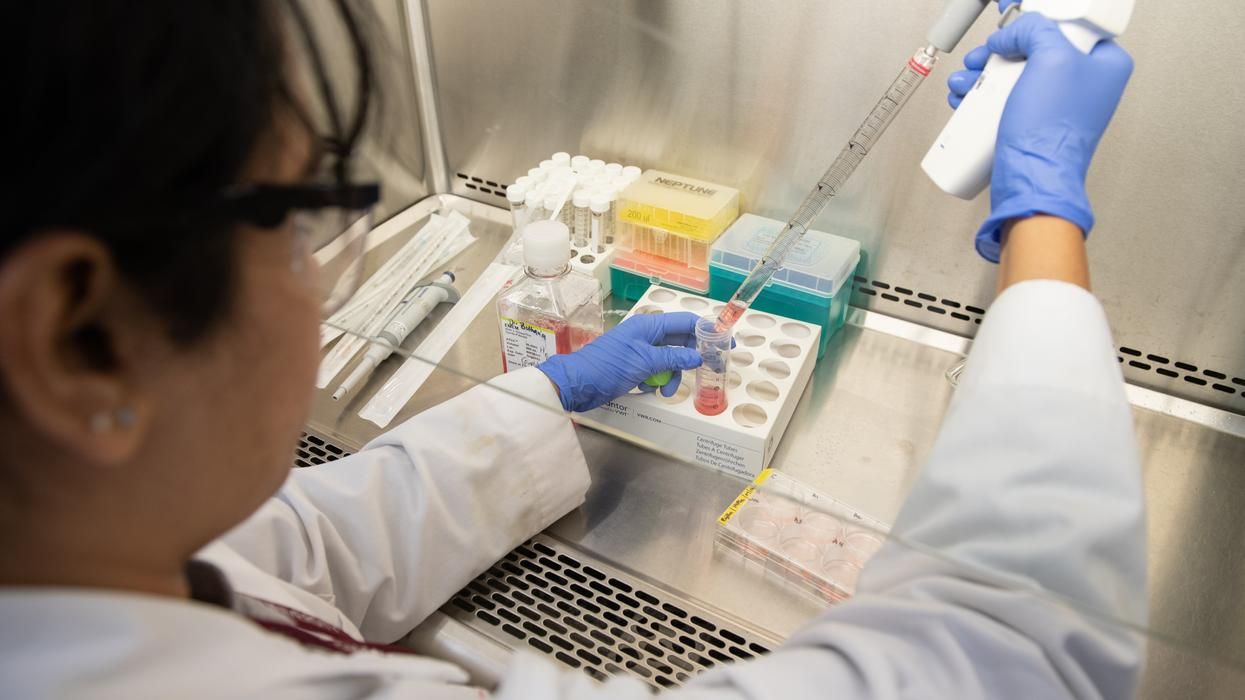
[(1051, 126), (621, 359)]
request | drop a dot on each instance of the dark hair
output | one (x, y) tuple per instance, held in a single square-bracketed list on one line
[(126, 108)]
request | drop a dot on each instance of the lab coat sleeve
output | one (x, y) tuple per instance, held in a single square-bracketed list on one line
[(1023, 533), (389, 534)]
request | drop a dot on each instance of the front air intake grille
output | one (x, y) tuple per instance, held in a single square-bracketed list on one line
[(590, 616), (314, 449), (584, 613)]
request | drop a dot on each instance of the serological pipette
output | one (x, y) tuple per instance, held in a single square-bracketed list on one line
[(952, 25)]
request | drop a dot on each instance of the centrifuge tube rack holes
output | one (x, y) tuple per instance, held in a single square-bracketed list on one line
[(768, 370)]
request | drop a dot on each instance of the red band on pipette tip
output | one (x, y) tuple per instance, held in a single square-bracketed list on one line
[(924, 71)]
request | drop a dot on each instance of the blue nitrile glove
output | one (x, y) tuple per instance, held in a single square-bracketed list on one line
[(622, 358), (1051, 126)]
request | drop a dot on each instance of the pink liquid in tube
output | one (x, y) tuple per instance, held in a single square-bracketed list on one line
[(714, 345)]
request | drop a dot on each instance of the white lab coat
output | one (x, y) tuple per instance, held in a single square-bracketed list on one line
[(1034, 477)]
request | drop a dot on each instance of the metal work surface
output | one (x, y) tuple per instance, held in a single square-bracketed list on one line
[(860, 433), (760, 96)]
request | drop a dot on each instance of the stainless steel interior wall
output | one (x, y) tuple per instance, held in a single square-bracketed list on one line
[(762, 95), (391, 149)]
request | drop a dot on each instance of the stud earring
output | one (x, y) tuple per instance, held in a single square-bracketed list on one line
[(107, 421), (101, 422)]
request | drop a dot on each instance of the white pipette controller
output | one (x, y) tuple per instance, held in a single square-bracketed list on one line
[(410, 313), (961, 159)]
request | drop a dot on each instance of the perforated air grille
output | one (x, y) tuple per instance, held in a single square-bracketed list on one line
[(479, 184), (939, 306), (1214, 385), (315, 449), (1208, 379), (588, 616)]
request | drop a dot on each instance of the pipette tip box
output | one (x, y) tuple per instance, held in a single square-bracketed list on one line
[(694, 209), (666, 224), (804, 539), (769, 369), (813, 284)]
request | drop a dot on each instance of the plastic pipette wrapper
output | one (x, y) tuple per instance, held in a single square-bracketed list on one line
[(375, 303), (385, 404), (802, 539), (415, 308), (446, 235), (370, 308)]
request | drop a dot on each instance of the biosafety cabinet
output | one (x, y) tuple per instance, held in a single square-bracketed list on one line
[(760, 96)]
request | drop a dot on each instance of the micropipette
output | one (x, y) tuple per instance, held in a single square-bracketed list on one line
[(410, 313), (952, 25)]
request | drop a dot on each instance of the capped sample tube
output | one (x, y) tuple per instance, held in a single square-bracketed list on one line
[(583, 219), (600, 208), (517, 196), (611, 216)]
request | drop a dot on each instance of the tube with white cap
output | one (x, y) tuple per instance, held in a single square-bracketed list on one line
[(600, 207), (409, 314), (517, 196), (583, 219)]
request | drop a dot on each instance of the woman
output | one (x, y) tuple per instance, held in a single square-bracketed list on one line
[(159, 313)]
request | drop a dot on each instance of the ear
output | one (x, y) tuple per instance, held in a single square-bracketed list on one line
[(60, 338)]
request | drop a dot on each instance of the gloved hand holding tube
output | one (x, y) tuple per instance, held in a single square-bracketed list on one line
[(621, 359)]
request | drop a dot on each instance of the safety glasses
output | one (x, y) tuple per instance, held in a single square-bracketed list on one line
[(331, 223)]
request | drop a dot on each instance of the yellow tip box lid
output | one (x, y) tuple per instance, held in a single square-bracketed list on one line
[(681, 205)]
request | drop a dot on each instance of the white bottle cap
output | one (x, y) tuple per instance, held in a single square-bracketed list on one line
[(582, 198), (614, 169), (546, 244), (579, 162), (600, 204), (551, 202), (595, 165), (547, 164), (533, 199), (536, 174), (525, 182), (516, 194), (561, 158), (631, 172)]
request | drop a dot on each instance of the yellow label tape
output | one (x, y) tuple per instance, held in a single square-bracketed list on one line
[(744, 495)]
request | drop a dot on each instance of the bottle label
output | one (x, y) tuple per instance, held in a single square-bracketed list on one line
[(526, 344)]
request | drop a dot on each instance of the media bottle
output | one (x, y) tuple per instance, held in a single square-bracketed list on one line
[(552, 309)]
